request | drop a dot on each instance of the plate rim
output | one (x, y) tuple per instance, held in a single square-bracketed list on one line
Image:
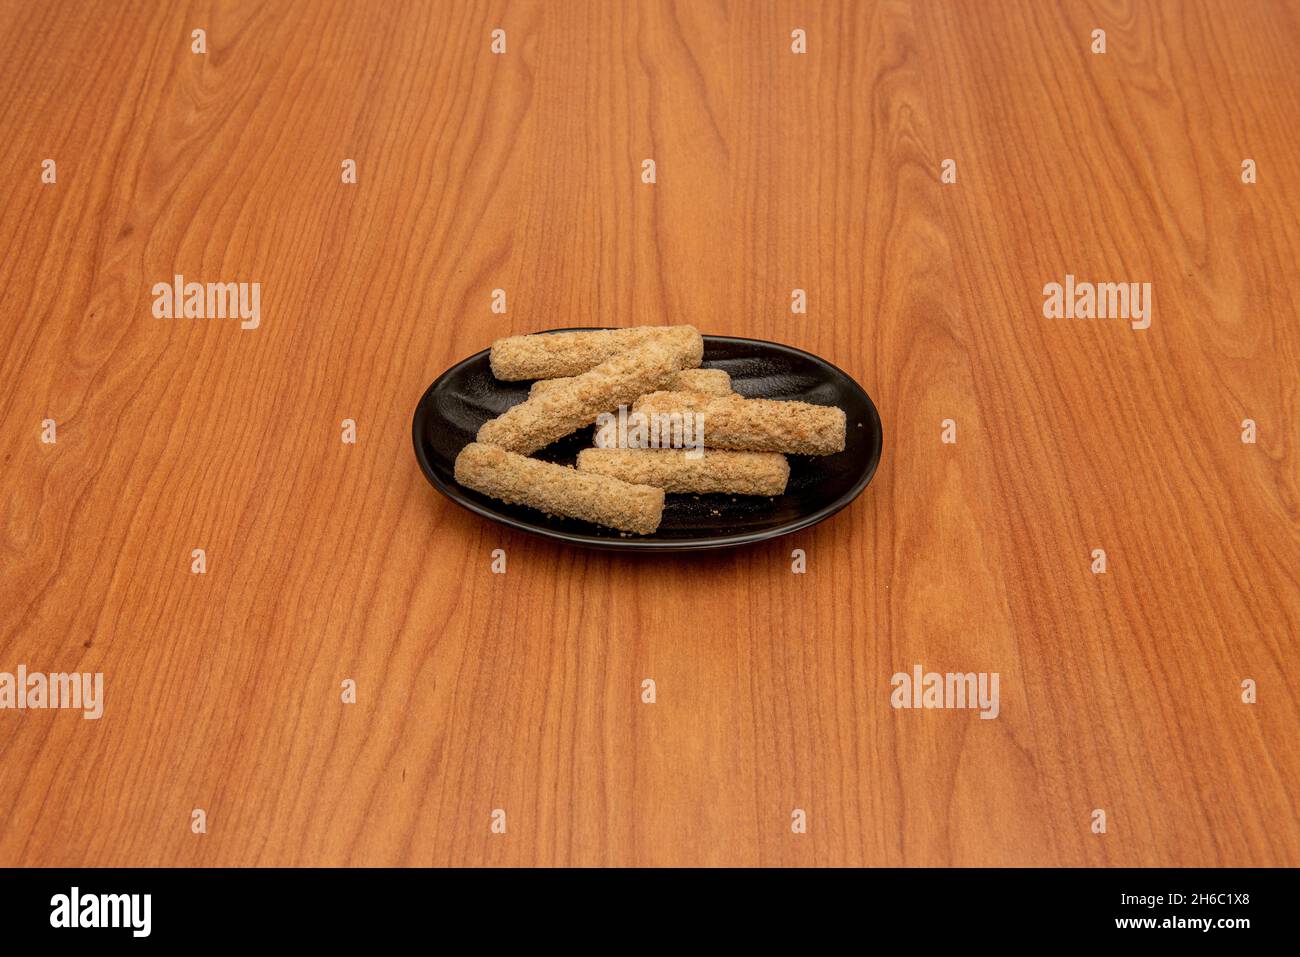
[(457, 495)]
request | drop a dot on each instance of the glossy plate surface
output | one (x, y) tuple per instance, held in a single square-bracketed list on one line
[(467, 395)]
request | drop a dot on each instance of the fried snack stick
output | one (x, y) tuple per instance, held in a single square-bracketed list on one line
[(560, 490), (554, 355), (756, 425), (703, 381), (539, 421), (717, 470)]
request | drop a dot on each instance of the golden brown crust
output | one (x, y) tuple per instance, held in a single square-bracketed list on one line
[(539, 421), (718, 470), (557, 354), (560, 490), (756, 425), (706, 381)]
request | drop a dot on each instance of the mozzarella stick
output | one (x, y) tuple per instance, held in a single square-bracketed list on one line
[(539, 421), (560, 490), (717, 470), (756, 425), (558, 354), (704, 381)]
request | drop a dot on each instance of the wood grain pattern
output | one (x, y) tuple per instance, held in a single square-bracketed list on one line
[(775, 171)]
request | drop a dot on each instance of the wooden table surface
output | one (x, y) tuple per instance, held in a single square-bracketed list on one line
[(522, 171)]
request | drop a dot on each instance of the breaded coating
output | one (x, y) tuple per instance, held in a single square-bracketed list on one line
[(560, 490), (705, 381), (668, 401), (551, 356), (717, 470), (756, 425), (539, 421)]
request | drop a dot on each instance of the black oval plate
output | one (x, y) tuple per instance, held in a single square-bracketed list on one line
[(467, 395)]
